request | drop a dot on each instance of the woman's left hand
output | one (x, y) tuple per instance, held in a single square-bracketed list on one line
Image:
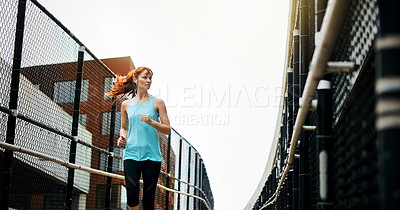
[(145, 118)]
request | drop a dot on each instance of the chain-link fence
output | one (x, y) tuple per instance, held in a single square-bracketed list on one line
[(52, 104), (341, 157)]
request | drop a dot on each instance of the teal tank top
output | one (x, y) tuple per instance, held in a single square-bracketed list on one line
[(142, 141)]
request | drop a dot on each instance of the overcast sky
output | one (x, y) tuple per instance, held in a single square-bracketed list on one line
[(217, 64)]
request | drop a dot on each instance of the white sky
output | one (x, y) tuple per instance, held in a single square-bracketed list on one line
[(217, 64)]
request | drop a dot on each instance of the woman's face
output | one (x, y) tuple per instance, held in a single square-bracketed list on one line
[(143, 81)]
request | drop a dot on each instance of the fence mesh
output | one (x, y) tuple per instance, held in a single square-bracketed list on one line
[(354, 137), (44, 124), (354, 151)]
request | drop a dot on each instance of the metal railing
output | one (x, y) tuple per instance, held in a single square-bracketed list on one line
[(329, 150), (54, 115)]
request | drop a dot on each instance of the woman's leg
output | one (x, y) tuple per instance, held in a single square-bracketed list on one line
[(132, 175), (151, 171)]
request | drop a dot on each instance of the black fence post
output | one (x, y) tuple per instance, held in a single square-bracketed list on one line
[(196, 180), (268, 189), (296, 67), (179, 171), (188, 180), (324, 130), (110, 158), (324, 124), (294, 109), (168, 172), (303, 71), (320, 8), (281, 150), (262, 196), (290, 189), (295, 178), (387, 92), (303, 159), (75, 123), (304, 42), (201, 176), (290, 105), (284, 128), (13, 105), (274, 182)]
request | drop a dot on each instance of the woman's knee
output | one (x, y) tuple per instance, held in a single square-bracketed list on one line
[(132, 192), (132, 197), (133, 202)]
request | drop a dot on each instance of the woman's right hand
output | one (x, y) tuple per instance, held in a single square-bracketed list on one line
[(121, 141)]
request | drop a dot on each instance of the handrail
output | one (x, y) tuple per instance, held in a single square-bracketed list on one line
[(87, 169)]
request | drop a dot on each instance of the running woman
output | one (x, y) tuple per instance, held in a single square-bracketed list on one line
[(142, 117)]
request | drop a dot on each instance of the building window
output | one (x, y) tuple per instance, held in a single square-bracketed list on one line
[(82, 119), (64, 92), (107, 87), (117, 163), (106, 121)]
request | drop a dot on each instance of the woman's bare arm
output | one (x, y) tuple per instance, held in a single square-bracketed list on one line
[(123, 132), (163, 126)]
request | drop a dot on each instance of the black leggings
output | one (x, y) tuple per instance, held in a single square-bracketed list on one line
[(150, 171)]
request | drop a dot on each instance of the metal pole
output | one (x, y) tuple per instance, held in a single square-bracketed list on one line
[(274, 181), (270, 187), (201, 179), (205, 182), (295, 189), (324, 123), (290, 190), (278, 202), (110, 157), (168, 172), (296, 67), (302, 184), (324, 130), (188, 180), (195, 178), (74, 133), (285, 124), (320, 8), (262, 196), (304, 172), (281, 150), (304, 42), (303, 71), (290, 105), (296, 182), (13, 105), (284, 193), (179, 171), (387, 107)]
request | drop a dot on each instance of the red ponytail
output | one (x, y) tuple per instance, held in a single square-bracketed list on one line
[(124, 85)]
